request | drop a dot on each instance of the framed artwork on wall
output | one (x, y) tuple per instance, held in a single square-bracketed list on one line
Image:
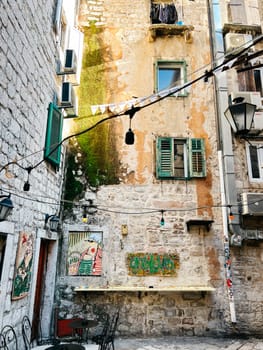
[(152, 264), (23, 266), (85, 253)]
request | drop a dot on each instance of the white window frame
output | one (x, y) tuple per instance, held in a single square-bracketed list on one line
[(259, 147), (167, 64)]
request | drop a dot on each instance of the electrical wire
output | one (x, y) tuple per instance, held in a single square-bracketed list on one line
[(126, 211), (176, 89)]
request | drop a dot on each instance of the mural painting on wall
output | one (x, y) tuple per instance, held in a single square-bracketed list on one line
[(85, 253), (148, 264), (23, 267)]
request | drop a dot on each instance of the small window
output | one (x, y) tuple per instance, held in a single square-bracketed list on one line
[(237, 11), (251, 80), (180, 158), (53, 135), (255, 162), (170, 74)]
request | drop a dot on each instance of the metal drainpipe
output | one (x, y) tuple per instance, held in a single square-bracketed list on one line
[(220, 95), (228, 272)]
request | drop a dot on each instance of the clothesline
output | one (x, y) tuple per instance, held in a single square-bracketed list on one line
[(121, 107)]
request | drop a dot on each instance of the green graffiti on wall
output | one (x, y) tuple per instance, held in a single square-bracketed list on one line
[(146, 264)]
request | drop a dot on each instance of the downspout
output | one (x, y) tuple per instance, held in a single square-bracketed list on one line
[(228, 272), (217, 51)]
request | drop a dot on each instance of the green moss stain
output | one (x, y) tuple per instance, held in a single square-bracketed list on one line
[(73, 186), (99, 159)]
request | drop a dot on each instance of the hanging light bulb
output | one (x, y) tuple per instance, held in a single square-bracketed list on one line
[(230, 215), (26, 187), (129, 137), (84, 216), (162, 219)]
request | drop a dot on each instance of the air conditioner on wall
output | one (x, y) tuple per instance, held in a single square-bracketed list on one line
[(253, 97), (258, 120), (236, 42), (70, 65), (69, 99), (252, 204)]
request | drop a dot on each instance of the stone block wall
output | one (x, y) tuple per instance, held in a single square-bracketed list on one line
[(28, 62), (129, 70), (129, 58)]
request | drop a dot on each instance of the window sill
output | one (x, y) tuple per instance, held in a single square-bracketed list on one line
[(199, 222), (170, 29), (146, 289), (241, 28)]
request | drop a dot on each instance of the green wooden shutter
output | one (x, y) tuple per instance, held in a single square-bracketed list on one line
[(197, 158), (164, 157), (53, 135)]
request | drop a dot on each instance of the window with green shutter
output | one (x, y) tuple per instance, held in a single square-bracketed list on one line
[(53, 135), (180, 158), (197, 158)]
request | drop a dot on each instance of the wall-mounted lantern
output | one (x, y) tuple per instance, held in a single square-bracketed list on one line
[(240, 116), (53, 221), (6, 207)]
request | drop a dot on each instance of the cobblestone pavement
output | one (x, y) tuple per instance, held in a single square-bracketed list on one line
[(189, 343)]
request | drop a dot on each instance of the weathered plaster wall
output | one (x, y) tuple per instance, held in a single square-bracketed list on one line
[(128, 55)]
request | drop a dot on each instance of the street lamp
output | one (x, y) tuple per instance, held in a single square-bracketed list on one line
[(53, 222), (240, 116), (6, 207)]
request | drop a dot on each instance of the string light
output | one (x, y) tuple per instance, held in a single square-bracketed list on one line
[(230, 215), (126, 211), (129, 137), (162, 219), (205, 76), (84, 216), (27, 184)]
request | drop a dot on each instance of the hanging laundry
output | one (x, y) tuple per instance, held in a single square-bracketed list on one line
[(155, 11), (168, 14), (172, 14)]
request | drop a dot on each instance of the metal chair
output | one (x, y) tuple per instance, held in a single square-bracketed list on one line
[(108, 341), (2, 342), (99, 337), (10, 338), (27, 332)]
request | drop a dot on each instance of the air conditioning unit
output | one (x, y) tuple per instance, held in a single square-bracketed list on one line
[(258, 120), (236, 42), (70, 65), (253, 97), (252, 204), (69, 99)]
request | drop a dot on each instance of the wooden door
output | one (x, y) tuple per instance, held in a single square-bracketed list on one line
[(41, 276)]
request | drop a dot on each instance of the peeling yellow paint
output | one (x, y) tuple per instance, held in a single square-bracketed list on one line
[(203, 186)]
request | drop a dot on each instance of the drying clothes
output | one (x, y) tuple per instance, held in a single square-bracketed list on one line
[(168, 14), (164, 13), (155, 11)]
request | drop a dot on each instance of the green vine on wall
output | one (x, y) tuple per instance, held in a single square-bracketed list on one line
[(99, 159)]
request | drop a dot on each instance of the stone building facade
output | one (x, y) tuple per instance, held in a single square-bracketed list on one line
[(216, 288), (243, 20), (145, 229), (31, 52), (128, 54)]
